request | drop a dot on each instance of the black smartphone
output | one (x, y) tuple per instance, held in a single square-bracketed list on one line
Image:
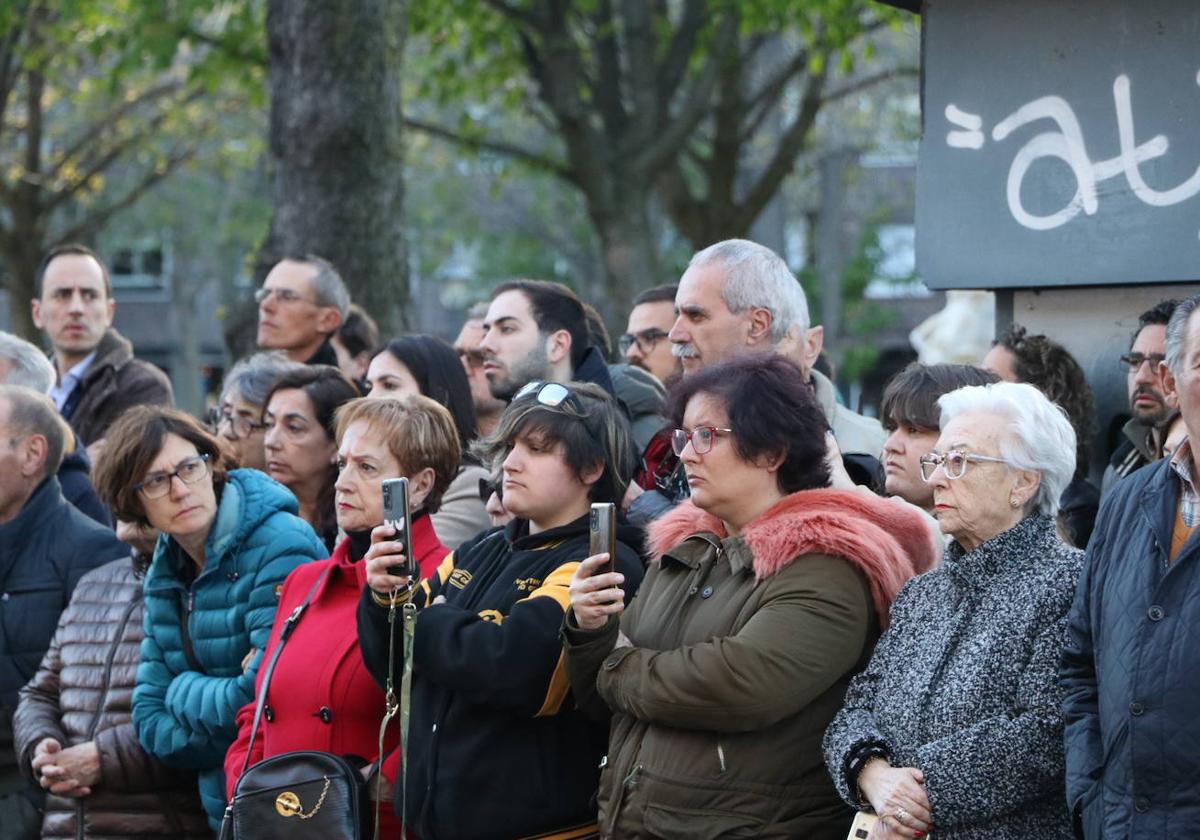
[(396, 514), (602, 534)]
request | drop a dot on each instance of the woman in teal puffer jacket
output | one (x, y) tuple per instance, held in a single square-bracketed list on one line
[(228, 541)]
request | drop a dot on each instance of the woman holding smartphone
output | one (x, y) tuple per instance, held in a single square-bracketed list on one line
[(496, 745), (321, 696), (766, 596)]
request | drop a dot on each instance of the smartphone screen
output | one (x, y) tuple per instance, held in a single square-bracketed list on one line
[(602, 533), (396, 514)]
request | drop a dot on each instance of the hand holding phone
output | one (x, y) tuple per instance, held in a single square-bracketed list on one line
[(396, 513), (602, 534)]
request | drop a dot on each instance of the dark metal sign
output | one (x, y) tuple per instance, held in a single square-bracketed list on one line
[(1061, 143)]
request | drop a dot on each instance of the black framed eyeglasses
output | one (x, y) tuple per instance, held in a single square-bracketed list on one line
[(701, 438), (954, 463), (1132, 362), (242, 426), (553, 395), (487, 488), (646, 340), (189, 471)]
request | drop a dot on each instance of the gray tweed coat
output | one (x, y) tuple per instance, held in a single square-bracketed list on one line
[(963, 685)]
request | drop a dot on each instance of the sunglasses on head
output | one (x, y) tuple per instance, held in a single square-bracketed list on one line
[(553, 395)]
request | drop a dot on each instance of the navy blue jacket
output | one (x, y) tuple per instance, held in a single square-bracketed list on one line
[(44, 551), (1131, 670), (74, 477)]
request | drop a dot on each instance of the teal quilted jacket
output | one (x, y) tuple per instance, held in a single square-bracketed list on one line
[(184, 713)]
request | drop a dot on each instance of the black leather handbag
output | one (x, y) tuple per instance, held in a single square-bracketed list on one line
[(302, 795)]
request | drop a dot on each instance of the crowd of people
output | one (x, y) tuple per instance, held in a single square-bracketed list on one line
[(935, 620)]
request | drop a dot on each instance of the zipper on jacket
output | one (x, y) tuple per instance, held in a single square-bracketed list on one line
[(721, 754), (631, 781), (185, 636)]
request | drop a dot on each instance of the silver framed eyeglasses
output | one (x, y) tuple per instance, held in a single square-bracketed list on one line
[(285, 296), (190, 471), (954, 462), (701, 437)]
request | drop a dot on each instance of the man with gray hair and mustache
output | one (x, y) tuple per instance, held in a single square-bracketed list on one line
[(738, 297)]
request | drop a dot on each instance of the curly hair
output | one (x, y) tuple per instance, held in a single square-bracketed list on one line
[(1048, 366)]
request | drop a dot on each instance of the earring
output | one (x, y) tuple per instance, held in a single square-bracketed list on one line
[(1014, 502)]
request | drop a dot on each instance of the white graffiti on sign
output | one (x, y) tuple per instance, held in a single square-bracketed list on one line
[(1067, 144)]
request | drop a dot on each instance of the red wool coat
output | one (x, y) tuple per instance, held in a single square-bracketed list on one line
[(321, 696)]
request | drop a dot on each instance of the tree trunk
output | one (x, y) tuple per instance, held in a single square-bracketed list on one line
[(630, 254), (335, 145)]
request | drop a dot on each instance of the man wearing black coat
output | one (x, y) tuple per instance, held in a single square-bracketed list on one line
[(46, 545), (1131, 664)]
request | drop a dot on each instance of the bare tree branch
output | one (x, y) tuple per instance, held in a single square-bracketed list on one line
[(499, 147), (98, 218), (94, 133), (764, 100), (8, 54), (679, 54), (257, 58), (607, 83), (864, 82)]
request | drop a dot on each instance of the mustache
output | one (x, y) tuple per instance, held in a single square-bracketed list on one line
[(684, 351), (1147, 391)]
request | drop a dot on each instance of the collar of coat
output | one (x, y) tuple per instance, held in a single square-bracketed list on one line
[(887, 540), (113, 352), (1010, 552)]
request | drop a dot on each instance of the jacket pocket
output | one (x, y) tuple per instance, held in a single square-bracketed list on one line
[(662, 820)]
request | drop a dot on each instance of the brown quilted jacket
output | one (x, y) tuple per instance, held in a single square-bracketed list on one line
[(83, 691)]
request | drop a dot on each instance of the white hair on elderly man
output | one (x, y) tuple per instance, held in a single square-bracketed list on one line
[(1040, 437), (757, 277), (22, 363)]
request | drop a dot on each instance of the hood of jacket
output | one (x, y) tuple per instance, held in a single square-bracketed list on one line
[(594, 369), (888, 541)]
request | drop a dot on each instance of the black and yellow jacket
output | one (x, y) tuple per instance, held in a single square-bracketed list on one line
[(496, 746)]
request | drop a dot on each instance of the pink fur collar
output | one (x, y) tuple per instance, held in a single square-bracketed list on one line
[(888, 540)]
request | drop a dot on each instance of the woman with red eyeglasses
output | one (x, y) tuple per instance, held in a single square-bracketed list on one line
[(765, 596)]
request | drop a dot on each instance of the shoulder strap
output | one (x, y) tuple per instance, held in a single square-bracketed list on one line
[(269, 668)]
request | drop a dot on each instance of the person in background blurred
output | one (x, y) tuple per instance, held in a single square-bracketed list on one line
[(426, 365), (300, 450), (321, 696), (356, 342), (1046, 365), (74, 726), (301, 304), (644, 344), (487, 408), (21, 363), (229, 539), (243, 395), (1143, 438), (912, 419)]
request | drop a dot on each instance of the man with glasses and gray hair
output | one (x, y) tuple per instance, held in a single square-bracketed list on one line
[(46, 545), (301, 304), (1131, 668), (1143, 436)]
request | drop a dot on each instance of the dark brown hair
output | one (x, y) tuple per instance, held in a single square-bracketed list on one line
[(772, 411), (910, 399), (132, 444), (76, 250)]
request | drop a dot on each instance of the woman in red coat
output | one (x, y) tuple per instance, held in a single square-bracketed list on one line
[(321, 696)]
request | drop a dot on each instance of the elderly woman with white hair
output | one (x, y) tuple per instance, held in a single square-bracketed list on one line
[(954, 727)]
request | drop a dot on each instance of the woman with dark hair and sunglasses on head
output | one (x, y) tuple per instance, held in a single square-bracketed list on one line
[(497, 747), (766, 596), (229, 538), (300, 447), (426, 365)]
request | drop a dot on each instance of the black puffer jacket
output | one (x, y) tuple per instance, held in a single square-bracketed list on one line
[(497, 748), (44, 552), (1132, 669), (82, 692)]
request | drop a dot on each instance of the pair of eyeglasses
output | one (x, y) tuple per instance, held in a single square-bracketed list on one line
[(1133, 362), (554, 395), (285, 296), (242, 426), (701, 438), (646, 340), (472, 358), (189, 471), (953, 463)]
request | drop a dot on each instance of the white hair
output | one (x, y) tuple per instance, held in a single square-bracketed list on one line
[(27, 365), (757, 277), (1177, 334), (1040, 436)]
